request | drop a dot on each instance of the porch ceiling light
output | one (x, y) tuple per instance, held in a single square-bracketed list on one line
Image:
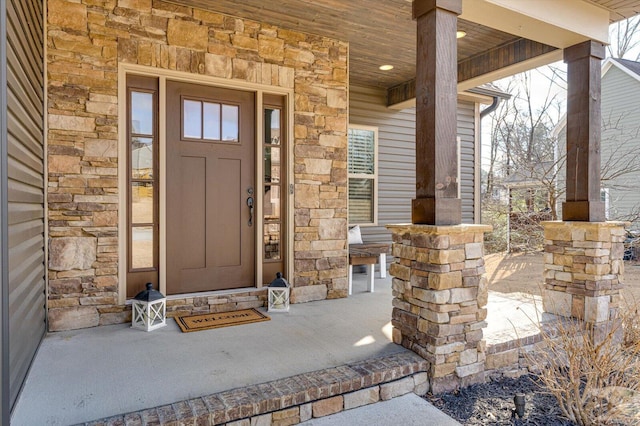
[(460, 34), (149, 310), (386, 67), (278, 298)]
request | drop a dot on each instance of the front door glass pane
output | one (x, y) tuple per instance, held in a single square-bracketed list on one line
[(142, 113), (192, 119), (211, 127), (272, 203), (272, 126), (272, 164), (141, 202), (230, 123), (142, 247), (141, 158), (272, 241)]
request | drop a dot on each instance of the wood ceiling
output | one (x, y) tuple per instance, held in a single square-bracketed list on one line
[(378, 31)]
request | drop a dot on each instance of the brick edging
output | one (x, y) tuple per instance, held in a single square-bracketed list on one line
[(292, 399)]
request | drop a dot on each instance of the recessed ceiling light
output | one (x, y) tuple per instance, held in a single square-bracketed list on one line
[(460, 34), (386, 67)]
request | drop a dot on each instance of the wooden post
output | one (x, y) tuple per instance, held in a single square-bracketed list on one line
[(437, 201), (583, 133)]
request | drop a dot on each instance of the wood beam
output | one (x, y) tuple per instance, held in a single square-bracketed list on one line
[(492, 60), (583, 133), (517, 51), (436, 201)]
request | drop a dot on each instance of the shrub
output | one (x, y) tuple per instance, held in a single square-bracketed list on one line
[(594, 374)]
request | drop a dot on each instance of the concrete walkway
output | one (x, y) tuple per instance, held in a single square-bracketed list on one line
[(406, 410)]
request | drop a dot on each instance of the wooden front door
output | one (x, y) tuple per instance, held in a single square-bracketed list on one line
[(210, 188)]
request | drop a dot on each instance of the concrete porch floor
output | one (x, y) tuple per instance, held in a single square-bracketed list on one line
[(83, 375)]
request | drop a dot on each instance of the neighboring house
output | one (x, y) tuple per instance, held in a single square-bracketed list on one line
[(527, 186), (136, 135), (620, 140)]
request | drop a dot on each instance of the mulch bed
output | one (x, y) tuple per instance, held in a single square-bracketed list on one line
[(491, 403)]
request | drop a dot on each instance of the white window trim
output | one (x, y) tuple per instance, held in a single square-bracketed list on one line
[(374, 129)]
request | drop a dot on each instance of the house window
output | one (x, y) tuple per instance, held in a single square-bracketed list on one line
[(363, 175), (605, 197)]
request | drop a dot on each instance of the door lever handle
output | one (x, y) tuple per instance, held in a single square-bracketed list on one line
[(250, 204)]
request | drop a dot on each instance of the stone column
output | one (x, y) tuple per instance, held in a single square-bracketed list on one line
[(440, 294), (583, 270)]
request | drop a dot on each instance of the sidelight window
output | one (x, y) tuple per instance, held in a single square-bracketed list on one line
[(142, 166), (274, 186)]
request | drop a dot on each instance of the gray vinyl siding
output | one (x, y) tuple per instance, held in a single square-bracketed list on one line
[(621, 138), (467, 135), (25, 168), (396, 157)]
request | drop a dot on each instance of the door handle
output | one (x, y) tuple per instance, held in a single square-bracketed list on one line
[(250, 205)]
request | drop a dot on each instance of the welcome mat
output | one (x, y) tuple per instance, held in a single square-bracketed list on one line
[(199, 322)]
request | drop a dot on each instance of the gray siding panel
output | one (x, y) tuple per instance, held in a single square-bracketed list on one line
[(467, 135), (25, 186), (396, 162), (620, 130)]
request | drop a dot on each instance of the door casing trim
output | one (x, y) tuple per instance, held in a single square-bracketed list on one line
[(164, 75)]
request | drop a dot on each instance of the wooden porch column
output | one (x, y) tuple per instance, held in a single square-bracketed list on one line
[(583, 133), (437, 201)]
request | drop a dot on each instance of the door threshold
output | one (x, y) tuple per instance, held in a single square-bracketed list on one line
[(215, 293)]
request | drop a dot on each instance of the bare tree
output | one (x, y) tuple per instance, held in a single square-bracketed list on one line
[(625, 39), (529, 160)]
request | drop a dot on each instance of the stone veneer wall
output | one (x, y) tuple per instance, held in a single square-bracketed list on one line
[(439, 299), (86, 41)]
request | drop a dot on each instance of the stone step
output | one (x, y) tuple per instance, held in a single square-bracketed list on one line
[(293, 399)]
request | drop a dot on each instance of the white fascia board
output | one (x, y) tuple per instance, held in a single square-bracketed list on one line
[(556, 23), (608, 63)]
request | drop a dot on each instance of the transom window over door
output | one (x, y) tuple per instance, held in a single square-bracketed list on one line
[(363, 175), (210, 121)]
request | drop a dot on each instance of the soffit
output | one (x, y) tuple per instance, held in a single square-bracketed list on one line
[(619, 9), (378, 31)]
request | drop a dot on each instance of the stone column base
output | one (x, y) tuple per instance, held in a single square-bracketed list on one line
[(583, 271), (439, 302)]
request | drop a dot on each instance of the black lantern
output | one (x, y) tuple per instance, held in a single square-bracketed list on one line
[(149, 309), (519, 401)]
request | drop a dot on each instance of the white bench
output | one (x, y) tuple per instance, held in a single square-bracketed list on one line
[(368, 254)]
